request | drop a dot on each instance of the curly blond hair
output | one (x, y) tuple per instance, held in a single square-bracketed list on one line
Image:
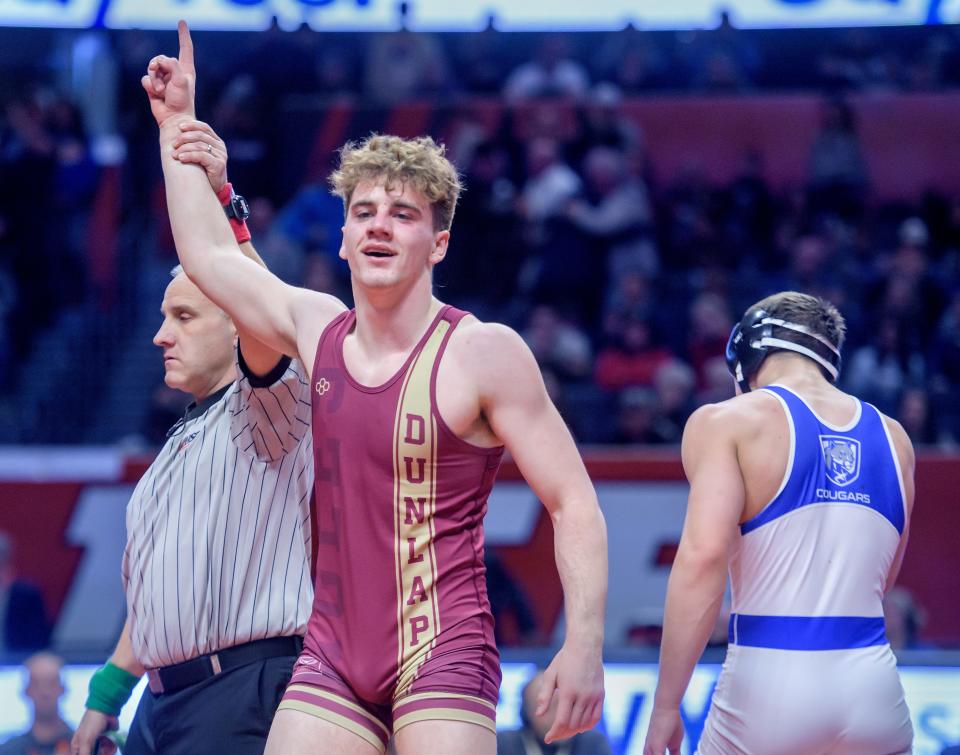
[(420, 161)]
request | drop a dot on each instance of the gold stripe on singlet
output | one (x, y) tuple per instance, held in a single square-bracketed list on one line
[(414, 469)]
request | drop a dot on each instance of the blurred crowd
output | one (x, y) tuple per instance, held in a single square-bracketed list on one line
[(625, 285)]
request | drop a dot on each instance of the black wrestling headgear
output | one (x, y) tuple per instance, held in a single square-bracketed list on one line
[(753, 339)]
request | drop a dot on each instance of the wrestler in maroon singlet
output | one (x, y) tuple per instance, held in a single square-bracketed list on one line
[(401, 621)]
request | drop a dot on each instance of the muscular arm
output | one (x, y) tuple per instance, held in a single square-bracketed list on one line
[(515, 403), (258, 301), (258, 356), (904, 450), (699, 575)]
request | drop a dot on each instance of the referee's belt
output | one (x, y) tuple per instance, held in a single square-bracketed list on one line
[(172, 678)]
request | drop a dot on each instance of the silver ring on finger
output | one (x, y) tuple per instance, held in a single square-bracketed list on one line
[(210, 149)]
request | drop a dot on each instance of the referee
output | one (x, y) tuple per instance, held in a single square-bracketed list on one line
[(217, 563)]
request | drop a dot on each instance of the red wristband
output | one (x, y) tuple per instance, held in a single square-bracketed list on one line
[(225, 193), (240, 231)]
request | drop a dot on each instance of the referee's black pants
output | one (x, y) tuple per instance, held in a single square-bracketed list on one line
[(227, 713)]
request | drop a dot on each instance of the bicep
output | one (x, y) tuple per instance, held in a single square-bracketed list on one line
[(259, 302), (717, 494), (524, 418)]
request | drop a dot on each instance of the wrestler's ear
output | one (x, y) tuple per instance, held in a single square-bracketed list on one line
[(441, 242)]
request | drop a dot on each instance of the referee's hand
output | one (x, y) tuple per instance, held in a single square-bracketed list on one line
[(92, 725)]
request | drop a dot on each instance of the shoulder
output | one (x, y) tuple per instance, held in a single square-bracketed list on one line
[(901, 441), (320, 307), (489, 350), (722, 428), (738, 414)]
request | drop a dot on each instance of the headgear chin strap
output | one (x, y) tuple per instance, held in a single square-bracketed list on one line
[(752, 340)]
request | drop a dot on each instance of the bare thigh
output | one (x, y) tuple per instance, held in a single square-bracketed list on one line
[(296, 733), (447, 737)]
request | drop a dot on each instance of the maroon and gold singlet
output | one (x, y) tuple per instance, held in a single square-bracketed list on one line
[(401, 629)]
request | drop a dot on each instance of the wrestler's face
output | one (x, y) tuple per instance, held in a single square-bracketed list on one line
[(388, 236), (197, 339)]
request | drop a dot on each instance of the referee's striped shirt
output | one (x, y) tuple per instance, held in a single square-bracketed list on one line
[(219, 527)]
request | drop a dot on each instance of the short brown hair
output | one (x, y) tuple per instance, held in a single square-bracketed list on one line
[(812, 312), (421, 161)]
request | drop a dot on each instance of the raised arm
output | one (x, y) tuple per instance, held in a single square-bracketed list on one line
[(515, 403), (258, 301), (699, 575), (200, 145)]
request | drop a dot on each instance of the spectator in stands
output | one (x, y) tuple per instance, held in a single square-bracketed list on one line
[(674, 383), (604, 124), (879, 370), (749, 211), (483, 269), (615, 214), (559, 346), (48, 734), (405, 65), (282, 63), (858, 61), (549, 187), (638, 415), (631, 60), (633, 359), (816, 268), (238, 115), (630, 295), (945, 369), (721, 59), (552, 73), (22, 614), (283, 255), (838, 176), (915, 416), (481, 60), (709, 329), (337, 69), (689, 228), (717, 384), (551, 183), (909, 290), (528, 740), (607, 226)]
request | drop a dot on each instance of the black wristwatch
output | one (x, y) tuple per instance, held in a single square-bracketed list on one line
[(237, 208)]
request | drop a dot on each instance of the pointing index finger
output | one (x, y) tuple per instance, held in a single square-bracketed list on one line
[(186, 48)]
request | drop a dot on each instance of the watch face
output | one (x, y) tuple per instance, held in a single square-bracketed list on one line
[(240, 207)]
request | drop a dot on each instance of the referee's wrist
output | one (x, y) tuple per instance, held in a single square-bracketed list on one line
[(237, 211), (110, 688)]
